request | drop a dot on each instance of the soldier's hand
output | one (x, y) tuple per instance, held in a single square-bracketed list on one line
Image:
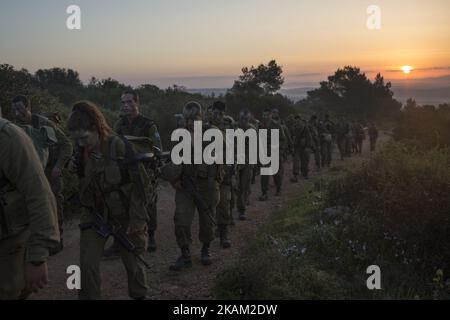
[(36, 276)]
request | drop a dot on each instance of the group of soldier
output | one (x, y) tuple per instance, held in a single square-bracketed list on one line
[(118, 189)]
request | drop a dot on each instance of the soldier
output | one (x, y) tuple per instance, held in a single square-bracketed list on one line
[(108, 189), (133, 123), (223, 210), (342, 132), (207, 179), (373, 135), (28, 218), (359, 136), (59, 152), (302, 149), (327, 132), (244, 171), (273, 123), (315, 136), (256, 124)]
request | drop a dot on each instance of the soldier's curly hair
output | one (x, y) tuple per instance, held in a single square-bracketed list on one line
[(87, 116)]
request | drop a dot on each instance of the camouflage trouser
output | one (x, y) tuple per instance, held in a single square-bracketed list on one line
[(373, 144), (152, 210), (301, 161), (278, 178), (185, 209), (326, 149), (348, 145), (57, 186), (91, 249), (359, 144), (223, 216), (317, 157), (12, 263), (244, 185), (342, 148)]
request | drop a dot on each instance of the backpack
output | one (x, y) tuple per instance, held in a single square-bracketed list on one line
[(43, 138), (139, 150)]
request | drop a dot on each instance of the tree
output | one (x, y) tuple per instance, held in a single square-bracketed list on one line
[(264, 79), (349, 91)]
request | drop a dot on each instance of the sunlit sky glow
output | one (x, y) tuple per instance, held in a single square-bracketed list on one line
[(205, 43)]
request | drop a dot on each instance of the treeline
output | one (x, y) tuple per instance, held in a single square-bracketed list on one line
[(347, 93)]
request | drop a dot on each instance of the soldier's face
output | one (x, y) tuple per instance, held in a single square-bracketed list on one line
[(129, 105), (266, 115), (217, 116), (85, 139), (244, 120), (21, 113)]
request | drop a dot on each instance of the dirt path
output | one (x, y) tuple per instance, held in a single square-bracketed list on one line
[(197, 282)]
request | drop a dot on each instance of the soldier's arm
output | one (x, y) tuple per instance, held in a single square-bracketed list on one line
[(20, 164), (65, 149), (154, 135)]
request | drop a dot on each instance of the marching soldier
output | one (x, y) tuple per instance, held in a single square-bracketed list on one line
[(58, 148), (108, 191), (133, 123), (28, 217)]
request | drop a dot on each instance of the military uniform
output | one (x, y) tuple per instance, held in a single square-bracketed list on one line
[(223, 211), (342, 134), (315, 136), (59, 153), (207, 179), (144, 127), (326, 132), (359, 136), (107, 188), (373, 136), (278, 178), (28, 219), (244, 178), (302, 145)]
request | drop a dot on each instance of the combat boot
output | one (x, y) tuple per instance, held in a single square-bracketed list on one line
[(278, 192), (183, 262), (294, 179), (205, 256), (225, 243), (242, 215), (264, 197), (151, 241), (112, 252)]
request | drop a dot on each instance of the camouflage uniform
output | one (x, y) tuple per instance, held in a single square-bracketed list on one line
[(106, 188), (315, 136), (28, 218), (359, 136), (59, 155), (302, 145), (278, 178), (244, 179), (373, 136), (223, 211), (144, 127), (327, 132)]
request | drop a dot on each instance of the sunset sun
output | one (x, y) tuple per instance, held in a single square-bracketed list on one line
[(407, 69)]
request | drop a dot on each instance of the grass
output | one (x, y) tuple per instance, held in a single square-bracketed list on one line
[(306, 252)]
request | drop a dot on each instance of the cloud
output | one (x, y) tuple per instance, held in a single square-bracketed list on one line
[(419, 69)]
